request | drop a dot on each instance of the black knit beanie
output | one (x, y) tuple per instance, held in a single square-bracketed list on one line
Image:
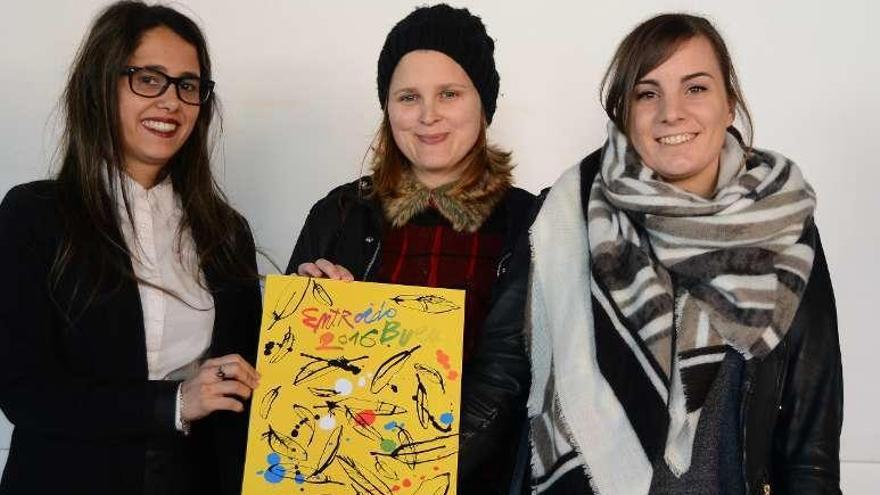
[(454, 32)]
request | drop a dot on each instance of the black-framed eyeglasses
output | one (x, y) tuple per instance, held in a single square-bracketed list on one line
[(152, 83)]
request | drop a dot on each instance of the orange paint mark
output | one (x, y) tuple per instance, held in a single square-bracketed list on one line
[(452, 375), (325, 340), (395, 488), (443, 358), (407, 483)]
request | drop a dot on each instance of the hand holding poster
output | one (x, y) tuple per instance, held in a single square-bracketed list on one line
[(360, 389)]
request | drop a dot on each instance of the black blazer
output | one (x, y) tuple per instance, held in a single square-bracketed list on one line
[(78, 394)]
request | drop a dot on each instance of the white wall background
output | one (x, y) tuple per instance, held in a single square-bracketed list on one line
[(297, 83)]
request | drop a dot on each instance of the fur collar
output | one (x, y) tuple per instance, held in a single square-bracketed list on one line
[(466, 210)]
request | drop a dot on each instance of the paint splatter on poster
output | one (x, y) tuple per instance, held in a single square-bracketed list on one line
[(360, 389)]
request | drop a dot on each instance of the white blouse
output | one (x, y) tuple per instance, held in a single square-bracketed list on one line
[(178, 329)]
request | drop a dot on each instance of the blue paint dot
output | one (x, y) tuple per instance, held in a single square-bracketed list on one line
[(300, 479), (446, 418), (273, 458), (275, 474), (391, 425)]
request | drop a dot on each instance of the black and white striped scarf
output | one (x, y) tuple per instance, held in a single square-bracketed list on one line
[(689, 276)]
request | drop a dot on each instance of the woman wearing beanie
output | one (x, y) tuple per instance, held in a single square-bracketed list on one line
[(439, 210), (129, 289), (705, 359)]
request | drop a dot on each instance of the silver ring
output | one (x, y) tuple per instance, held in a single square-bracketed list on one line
[(220, 374)]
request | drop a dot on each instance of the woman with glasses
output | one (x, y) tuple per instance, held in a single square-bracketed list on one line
[(129, 301), (439, 210), (682, 320)]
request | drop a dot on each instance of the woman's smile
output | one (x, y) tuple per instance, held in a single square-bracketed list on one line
[(162, 127), (431, 139), (676, 139)]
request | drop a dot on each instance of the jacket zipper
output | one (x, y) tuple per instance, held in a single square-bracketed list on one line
[(780, 379), (499, 268), (783, 374), (747, 395), (372, 260), (764, 483)]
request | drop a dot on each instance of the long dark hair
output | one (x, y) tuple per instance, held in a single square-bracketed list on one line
[(92, 166), (649, 45)]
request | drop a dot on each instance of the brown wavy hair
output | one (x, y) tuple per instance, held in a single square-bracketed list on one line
[(92, 165), (649, 45), (388, 163)]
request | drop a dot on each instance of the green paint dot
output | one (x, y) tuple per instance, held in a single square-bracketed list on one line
[(388, 445)]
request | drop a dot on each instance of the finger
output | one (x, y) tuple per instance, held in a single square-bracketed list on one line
[(207, 374), (252, 373), (334, 271), (344, 274), (229, 388), (214, 371), (222, 403), (240, 371), (229, 359), (245, 366), (329, 268), (309, 270), (214, 362)]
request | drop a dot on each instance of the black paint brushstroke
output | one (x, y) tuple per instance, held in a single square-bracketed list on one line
[(389, 369), (432, 450), (423, 413), (319, 366), (268, 400), (284, 445), (328, 453), (358, 476), (431, 373), (430, 304)]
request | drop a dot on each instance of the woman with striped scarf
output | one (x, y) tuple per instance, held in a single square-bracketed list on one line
[(681, 319)]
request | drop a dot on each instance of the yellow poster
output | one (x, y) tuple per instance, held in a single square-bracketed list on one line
[(360, 389)]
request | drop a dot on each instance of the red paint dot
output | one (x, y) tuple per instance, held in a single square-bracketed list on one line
[(407, 483), (452, 375), (365, 418), (395, 488)]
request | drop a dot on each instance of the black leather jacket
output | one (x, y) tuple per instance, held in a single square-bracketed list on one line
[(792, 401), (346, 227), (792, 408)]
